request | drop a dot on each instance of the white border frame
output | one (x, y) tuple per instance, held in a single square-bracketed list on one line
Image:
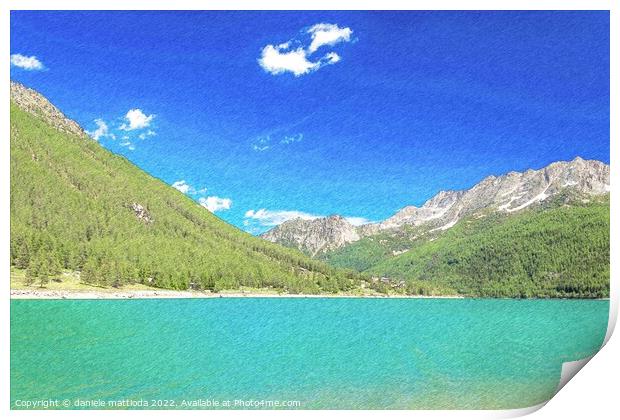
[(571, 401)]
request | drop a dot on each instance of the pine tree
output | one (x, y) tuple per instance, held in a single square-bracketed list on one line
[(55, 266), (31, 274), (88, 274)]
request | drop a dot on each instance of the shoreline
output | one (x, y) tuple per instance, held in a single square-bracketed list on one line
[(41, 294)]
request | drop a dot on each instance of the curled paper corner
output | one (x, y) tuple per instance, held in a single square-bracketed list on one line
[(613, 317), (570, 369), (519, 412)]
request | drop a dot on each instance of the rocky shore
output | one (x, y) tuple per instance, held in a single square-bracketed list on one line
[(174, 294)]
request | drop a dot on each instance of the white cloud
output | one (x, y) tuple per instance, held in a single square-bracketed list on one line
[(275, 217), (282, 58), (128, 145), (270, 218), (261, 143), (149, 133), (26, 63), (332, 57), (327, 34), (181, 186), (273, 60), (186, 188), (214, 203), (101, 131), (136, 119), (292, 139)]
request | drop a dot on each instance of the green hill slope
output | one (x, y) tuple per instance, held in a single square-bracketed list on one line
[(77, 206), (372, 250), (558, 251)]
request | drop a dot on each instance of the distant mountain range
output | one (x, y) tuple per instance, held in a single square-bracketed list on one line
[(538, 233), (508, 194)]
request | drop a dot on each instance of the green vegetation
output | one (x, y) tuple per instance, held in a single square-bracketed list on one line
[(370, 251), (559, 250), (84, 217), (77, 207), (66, 281)]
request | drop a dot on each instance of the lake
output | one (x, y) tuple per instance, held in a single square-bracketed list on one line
[(315, 353)]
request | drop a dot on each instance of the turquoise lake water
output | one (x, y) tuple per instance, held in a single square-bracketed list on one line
[(322, 352)]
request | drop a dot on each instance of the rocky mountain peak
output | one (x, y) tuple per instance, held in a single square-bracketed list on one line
[(314, 236), (33, 102), (509, 193)]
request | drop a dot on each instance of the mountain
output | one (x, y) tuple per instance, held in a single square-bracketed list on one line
[(76, 206), (508, 194), (558, 250), (315, 235), (539, 233), (32, 102)]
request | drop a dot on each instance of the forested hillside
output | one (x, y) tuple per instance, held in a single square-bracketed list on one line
[(559, 250), (76, 206)]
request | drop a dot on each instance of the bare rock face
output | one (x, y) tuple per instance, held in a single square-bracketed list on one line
[(516, 191), (141, 213), (36, 104), (434, 209), (509, 193), (314, 236)]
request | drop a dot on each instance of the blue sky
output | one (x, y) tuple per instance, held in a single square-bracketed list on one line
[(266, 116)]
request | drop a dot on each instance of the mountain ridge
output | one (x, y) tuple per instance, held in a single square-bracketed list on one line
[(35, 103), (508, 193), (558, 248), (77, 207)]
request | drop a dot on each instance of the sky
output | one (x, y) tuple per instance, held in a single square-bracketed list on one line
[(266, 116)]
